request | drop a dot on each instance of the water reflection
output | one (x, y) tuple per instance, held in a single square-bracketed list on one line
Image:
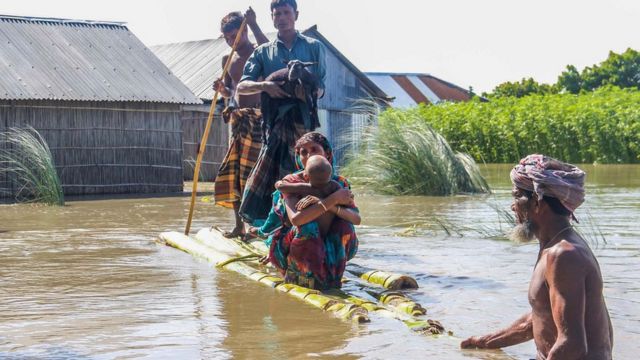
[(262, 323)]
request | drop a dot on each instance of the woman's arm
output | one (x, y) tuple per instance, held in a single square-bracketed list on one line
[(309, 214), (347, 213), (300, 189)]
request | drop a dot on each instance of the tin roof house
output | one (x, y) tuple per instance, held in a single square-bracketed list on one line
[(108, 108), (410, 89)]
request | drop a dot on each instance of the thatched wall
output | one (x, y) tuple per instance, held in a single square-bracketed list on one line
[(105, 147), (194, 120)]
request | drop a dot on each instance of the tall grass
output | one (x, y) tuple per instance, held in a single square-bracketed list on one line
[(26, 157), (406, 156)]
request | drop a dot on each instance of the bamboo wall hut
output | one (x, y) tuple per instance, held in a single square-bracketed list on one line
[(108, 108), (198, 63)]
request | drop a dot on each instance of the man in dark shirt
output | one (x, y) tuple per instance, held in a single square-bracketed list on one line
[(288, 117)]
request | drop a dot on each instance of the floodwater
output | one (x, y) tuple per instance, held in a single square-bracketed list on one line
[(89, 281)]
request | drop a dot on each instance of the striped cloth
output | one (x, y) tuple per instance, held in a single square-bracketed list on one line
[(244, 148), (286, 121), (546, 176), (303, 255)]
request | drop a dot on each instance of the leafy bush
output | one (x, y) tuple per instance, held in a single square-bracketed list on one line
[(598, 127)]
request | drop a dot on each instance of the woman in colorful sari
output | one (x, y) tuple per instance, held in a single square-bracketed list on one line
[(303, 252)]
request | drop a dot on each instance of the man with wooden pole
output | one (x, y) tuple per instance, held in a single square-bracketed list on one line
[(207, 128), (243, 114)]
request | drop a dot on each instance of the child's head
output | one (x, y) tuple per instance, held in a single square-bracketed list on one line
[(318, 170)]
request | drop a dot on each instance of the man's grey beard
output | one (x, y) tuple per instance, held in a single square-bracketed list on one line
[(522, 233)]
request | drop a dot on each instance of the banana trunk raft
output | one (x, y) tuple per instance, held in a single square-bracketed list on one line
[(382, 287)]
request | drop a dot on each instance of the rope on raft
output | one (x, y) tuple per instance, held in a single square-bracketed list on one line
[(239, 258)]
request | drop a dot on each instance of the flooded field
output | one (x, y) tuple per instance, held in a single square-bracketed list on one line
[(89, 281)]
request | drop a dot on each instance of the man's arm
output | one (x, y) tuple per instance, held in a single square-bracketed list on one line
[(250, 87), (518, 332), (322, 69), (567, 294), (250, 15), (223, 86), (253, 70)]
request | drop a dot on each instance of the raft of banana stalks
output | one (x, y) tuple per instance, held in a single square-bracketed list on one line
[(383, 288)]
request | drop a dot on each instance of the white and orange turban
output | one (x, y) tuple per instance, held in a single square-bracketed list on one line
[(545, 176)]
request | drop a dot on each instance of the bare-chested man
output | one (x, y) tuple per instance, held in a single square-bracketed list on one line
[(569, 318), (244, 115)]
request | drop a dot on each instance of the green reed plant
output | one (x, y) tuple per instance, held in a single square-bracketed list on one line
[(25, 156), (404, 155), (596, 127)]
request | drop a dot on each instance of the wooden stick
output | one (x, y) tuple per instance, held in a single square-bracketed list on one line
[(205, 136)]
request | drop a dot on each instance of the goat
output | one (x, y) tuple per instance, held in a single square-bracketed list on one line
[(300, 84)]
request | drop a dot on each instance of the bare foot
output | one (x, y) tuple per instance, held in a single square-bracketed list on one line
[(236, 232), (248, 236), (255, 232), (264, 260)]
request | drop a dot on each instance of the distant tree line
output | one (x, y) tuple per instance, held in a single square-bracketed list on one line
[(620, 70)]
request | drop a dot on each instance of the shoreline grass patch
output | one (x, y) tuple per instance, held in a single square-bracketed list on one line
[(26, 158), (404, 155)]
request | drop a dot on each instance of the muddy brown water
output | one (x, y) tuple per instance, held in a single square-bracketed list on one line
[(88, 280)]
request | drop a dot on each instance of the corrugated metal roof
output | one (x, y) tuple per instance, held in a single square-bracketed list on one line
[(412, 89), (198, 63), (59, 59)]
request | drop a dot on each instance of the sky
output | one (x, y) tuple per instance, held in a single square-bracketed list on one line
[(466, 42)]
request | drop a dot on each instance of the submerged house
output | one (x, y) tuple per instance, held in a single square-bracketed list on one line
[(198, 63), (409, 89), (108, 108)]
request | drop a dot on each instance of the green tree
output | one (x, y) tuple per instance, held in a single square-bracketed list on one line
[(570, 80), (522, 88), (621, 70)]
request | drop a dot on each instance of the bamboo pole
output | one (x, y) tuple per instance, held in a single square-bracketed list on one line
[(338, 307), (391, 281), (230, 253), (205, 135)]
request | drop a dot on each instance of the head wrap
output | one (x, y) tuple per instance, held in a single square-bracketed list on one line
[(545, 176), (319, 139)]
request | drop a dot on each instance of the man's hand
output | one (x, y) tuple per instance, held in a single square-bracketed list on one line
[(218, 86), (274, 90), (250, 15), (306, 201), (474, 342)]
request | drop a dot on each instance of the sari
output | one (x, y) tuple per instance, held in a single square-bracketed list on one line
[(301, 254)]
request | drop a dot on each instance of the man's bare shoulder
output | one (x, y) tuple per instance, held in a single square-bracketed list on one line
[(569, 258)]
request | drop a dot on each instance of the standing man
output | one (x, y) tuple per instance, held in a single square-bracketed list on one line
[(569, 318), (286, 118), (244, 115)]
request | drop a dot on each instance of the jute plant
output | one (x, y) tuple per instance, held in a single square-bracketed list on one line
[(25, 157)]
